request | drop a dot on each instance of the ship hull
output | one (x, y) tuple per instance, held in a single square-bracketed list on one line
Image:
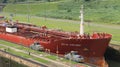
[(85, 47), (92, 53), (92, 48)]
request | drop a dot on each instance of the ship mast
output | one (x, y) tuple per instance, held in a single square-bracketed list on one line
[(11, 19), (82, 21)]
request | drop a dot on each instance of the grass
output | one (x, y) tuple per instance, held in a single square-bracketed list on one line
[(36, 8), (95, 10), (41, 60), (18, 53), (8, 43), (52, 57)]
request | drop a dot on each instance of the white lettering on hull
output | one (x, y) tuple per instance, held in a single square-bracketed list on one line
[(64, 44)]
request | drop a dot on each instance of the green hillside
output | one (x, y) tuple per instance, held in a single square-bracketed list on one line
[(32, 9), (107, 11)]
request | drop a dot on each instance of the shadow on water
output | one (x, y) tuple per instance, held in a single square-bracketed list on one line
[(112, 57), (113, 63)]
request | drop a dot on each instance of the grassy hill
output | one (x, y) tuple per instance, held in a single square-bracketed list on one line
[(32, 9), (106, 11)]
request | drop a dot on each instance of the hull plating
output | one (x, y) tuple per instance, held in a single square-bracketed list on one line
[(85, 47)]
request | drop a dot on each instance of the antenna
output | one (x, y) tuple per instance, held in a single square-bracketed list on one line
[(82, 21)]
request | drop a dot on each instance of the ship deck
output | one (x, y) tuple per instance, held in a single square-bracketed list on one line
[(42, 33), (33, 32)]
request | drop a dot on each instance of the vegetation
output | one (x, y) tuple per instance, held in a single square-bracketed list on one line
[(36, 8), (102, 11), (95, 11), (15, 1)]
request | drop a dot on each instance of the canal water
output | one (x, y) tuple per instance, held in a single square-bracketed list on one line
[(113, 63), (112, 57)]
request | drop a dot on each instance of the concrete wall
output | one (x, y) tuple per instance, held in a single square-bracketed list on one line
[(4, 62), (20, 60)]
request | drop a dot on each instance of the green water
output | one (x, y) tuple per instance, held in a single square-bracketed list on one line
[(113, 63)]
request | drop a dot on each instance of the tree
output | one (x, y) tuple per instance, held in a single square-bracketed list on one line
[(38, 0), (48, 0), (87, 0), (13, 1), (21, 0), (3, 1)]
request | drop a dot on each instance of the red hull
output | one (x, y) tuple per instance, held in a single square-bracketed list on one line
[(57, 41), (85, 47)]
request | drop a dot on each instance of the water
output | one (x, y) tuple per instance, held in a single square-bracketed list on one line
[(113, 63), (112, 56)]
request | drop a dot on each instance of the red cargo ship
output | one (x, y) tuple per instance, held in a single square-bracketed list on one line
[(91, 47)]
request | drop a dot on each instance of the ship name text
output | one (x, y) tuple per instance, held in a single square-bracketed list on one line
[(64, 44)]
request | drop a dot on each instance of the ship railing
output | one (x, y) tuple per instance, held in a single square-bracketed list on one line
[(63, 34), (49, 31), (39, 29), (88, 36), (100, 35)]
